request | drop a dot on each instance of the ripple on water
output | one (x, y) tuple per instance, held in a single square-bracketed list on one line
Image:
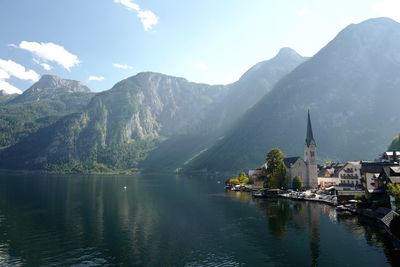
[(7, 260), (211, 259), (79, 257)]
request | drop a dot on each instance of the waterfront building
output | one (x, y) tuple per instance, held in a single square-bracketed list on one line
[(324, 182), (350, 174), (370, 171), (388, 174)]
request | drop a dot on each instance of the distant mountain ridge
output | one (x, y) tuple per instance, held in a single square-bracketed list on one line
[(118, 127), (174, 153), (39, 106), (252, 86), (158, 122), (350, 86), (121, 127), (49, 87)]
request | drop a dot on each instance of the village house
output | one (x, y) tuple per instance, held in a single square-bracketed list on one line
[(370, 171), (350, 174), (388, 174), (328, 175), (390, 156)]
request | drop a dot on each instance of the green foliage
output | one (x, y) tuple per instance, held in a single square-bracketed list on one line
[(276, 170), (328, 163), (395, 144), (241, 179), (394, 190), (297, 183), (234, 181), (18, 120)]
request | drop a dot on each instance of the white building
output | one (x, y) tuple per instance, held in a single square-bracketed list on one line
[(350, 174)]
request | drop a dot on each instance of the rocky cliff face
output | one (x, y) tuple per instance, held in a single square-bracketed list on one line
[(351, 87), (118, 127), (143, 117), (50, 87), (208, 126)]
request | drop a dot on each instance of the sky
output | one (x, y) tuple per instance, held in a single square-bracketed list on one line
[(100, 42)]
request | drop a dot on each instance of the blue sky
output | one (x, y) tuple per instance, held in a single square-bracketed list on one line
[(101, 42)]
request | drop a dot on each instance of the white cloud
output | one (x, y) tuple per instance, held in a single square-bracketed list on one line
[(13, 45), (51, 52), (387, 8), (122, 66), (18, 71), (147, 17), (5, 86), (128, 4), (46, 66), (96, 78), (4, 75), (8, 88)]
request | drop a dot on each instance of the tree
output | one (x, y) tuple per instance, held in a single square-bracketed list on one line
[(241, 179), (297, 183), (394, 191), (276, 169), (395, 145)]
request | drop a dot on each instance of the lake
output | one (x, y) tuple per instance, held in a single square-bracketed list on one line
[(168, 220)]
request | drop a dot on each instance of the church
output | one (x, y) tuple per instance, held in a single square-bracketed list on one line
[(305, 168)]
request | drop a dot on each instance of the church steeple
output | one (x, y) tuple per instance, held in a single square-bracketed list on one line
[(310, 157), (310, 136)]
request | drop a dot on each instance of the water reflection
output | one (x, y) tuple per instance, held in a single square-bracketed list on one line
[(170, 221)]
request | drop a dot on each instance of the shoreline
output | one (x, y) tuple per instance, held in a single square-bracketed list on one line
[(368, 215)]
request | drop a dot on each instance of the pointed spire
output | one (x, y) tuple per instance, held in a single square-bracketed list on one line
[(310, 136)]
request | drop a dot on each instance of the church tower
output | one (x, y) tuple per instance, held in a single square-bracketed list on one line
[(310, 157)]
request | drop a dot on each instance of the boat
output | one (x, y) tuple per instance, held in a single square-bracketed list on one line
[(258, 194)]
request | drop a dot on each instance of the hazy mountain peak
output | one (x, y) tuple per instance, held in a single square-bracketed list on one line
[(286, 58), (379, 20), (51, 87), (55, 82), (349, 85), (371, 30), (287, 52)]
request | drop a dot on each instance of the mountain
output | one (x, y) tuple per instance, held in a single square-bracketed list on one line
[(39, 106), (118, 128), (174, 153), (351, 88), (251, 87), (51, 87), (5, 97)]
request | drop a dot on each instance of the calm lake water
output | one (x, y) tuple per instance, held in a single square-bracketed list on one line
[(166, 220)]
